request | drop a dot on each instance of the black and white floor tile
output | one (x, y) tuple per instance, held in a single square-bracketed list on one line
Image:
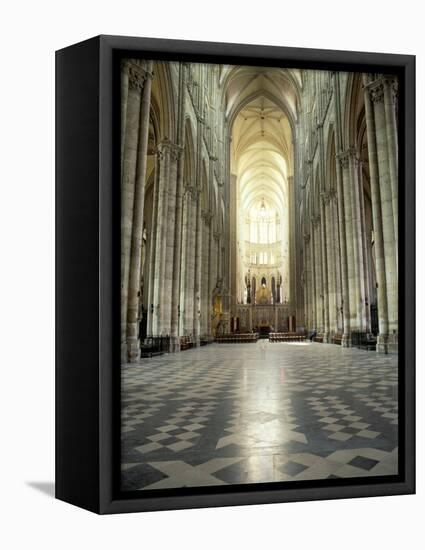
[(254, 413)]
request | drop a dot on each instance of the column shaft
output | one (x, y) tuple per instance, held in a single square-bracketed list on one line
[(197, 273), (176, 302), (377, 95), (137, 229), (314, 315), (161, 239), (377, 225), (390, 102), (129, 165), (325, 287)]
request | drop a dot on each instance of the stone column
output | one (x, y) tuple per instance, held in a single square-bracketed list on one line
[(217, 236), (189, 280), (364, 253), (330, 263), (349, 240), (129, 165), (337, 261), (314, 315), (152, 254), (177, 258), (197, 271), (124, 98), (161, 238), (382, 344), (133, 341), (346, 250), (358, 286), (292, 245), (318, 275), (211, 281), (301, 320), (170, 223), (325, 286), (178, 226), (341, 177), (390, 102), (377, 96), (208, 273), (307, 283), (184, 255)]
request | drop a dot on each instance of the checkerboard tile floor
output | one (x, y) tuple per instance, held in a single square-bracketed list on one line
[(253, 413)]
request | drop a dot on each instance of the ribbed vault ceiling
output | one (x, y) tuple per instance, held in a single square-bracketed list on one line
[(261, 106)]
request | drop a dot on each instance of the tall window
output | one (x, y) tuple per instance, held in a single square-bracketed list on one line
[(262, 224)]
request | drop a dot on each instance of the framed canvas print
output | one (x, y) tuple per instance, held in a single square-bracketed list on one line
[(235, 274)]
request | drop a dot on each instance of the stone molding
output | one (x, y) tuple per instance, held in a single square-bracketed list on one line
[(192, 191), (391, 84), (326, 198), (315, 220), (167, 145), (344, 157), (332, 193), (377, 93), (207, 217), (136, 79)]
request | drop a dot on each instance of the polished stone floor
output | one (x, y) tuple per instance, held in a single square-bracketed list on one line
[(254, 413)]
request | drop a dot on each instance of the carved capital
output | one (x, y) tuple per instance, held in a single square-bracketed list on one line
[(188, 189), (207, 217), (344, 158), (192, 192), (200, 118), (325, 196), (354, 155), (332, 193), (168, 146), (315, 220), (394, 89), (136, 78), (391, 87), (377, 93), (159, 152), (175, 152)]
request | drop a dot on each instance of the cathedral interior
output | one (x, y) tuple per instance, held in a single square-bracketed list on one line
[(259, 274)]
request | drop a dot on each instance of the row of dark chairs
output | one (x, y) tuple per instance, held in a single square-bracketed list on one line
[(337, 339), (286, 337), (186, 342), (363, 340), (155, 345), (234, 338)]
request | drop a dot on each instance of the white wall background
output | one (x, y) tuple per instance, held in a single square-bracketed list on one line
[(30, 31)]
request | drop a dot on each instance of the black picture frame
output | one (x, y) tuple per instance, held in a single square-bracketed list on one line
[(87, 278)]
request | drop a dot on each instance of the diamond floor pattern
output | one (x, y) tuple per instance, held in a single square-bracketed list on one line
[(254, 413)]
